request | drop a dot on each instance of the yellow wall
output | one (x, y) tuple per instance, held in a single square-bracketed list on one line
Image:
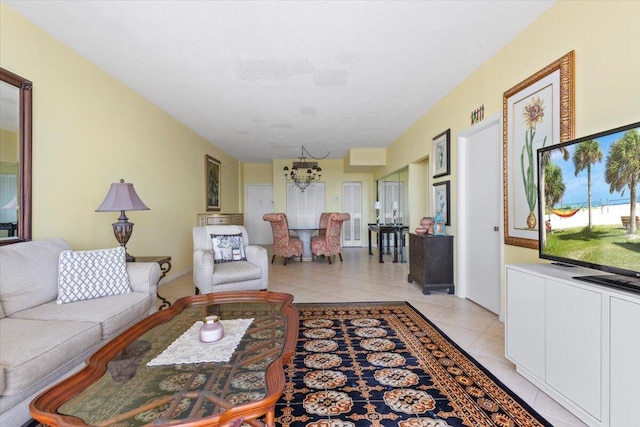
[(90, 130), (607, 86), (258, 173), (8, 146), (367, 156)]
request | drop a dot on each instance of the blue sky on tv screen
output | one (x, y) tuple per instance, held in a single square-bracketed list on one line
[(575, 194)]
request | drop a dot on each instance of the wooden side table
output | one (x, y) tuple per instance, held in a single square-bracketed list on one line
[(165, 266)]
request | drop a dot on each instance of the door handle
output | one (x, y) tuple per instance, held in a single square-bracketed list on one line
[(496, 228)]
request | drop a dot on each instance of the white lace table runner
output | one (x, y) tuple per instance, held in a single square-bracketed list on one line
[(189, 349)]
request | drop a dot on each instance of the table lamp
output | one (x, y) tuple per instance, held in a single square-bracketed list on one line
[(394, 208), (122, 197), (377, 206)]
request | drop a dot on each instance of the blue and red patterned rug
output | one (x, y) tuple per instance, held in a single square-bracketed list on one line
[(385, 364)]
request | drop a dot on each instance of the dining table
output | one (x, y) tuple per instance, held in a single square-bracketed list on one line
[(305, 234), (397, 231)]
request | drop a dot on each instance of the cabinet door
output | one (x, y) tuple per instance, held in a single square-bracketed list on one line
[(625, 369), (525, 341), (574, 344)]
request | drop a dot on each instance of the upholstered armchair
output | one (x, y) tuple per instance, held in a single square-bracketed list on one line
[(324, 221), (284, 245), (227, 274), (329, 243)]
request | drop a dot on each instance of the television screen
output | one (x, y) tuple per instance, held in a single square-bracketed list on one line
[(589, 203)]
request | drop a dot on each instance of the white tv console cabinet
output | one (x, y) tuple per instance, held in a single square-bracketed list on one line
[(577, 342)]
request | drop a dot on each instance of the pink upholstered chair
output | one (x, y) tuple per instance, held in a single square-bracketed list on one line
[(284, 245), (329, 244), (324, 221)]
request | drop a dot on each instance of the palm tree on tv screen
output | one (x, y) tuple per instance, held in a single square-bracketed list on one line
[(587, 153), (546, 159), (623, 169), (553, 188), (553, 184)]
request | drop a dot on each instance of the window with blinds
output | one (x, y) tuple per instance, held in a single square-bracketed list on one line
[(352, 204), (8, 185), (304, 207)]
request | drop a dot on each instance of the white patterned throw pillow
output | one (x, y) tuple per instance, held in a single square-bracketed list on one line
[(227, 248), (92, 274)]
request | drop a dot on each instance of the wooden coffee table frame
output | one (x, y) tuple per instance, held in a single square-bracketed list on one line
[(44, 407)]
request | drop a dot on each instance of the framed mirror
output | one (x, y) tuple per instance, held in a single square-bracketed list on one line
[(392, 192), (15, 157)]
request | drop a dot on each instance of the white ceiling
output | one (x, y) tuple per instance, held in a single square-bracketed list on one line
[(259, 79)]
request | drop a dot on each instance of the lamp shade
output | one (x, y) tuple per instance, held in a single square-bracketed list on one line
[(122, 197), (13, 204), (377, 205)]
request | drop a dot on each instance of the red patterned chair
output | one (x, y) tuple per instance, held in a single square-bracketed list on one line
[(329, 243), (324, 221), (284, 245)]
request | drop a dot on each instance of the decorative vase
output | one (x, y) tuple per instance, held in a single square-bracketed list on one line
[(427, 223), (212, 330), (531, 220), (421, 231)]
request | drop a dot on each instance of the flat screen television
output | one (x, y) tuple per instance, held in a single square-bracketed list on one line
[(588, 193)]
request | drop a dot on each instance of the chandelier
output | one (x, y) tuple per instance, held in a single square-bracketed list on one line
[(297, 175)]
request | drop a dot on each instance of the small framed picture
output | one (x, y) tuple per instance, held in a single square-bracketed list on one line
[(212, 183), (442, 200), (441, 152)]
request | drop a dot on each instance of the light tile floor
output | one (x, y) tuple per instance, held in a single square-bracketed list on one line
[(361, 278)]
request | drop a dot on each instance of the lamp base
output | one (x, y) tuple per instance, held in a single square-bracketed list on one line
[(122, 229)]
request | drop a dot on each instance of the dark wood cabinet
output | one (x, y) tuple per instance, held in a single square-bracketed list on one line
[(431, 262)]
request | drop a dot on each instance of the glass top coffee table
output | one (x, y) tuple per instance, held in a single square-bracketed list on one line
[(118, 387)]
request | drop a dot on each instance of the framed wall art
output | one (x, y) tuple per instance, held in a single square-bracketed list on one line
[(212, 183), (442, 200), (441, 153), (537, 112)]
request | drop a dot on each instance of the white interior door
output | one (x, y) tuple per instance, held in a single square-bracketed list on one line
[(258, 201), (352, 204), (480, 201)]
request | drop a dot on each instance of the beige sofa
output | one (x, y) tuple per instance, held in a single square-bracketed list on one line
[(42, 341)]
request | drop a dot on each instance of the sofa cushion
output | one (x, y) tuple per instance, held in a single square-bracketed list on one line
[(113, 313), (227, 248), (29, 274), (31, 349), (86, 275), (240, 271)]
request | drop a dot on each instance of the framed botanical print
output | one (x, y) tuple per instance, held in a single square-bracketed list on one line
[(441, 153), (212, 183), (537, 112)]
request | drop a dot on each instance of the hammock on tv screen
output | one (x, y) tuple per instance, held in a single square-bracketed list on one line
[(565, 214)]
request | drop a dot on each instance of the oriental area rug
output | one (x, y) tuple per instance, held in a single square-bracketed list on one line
[(385, 364)]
